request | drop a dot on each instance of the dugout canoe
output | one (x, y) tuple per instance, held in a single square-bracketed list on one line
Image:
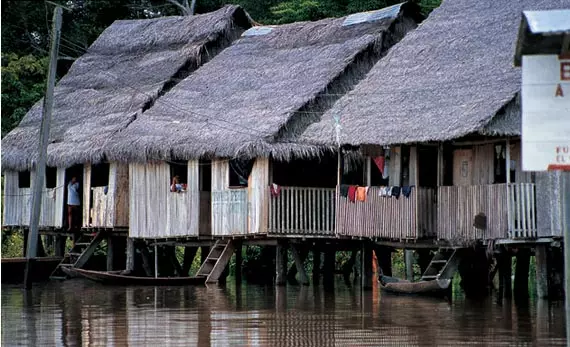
[(438, 287), (118, 278)]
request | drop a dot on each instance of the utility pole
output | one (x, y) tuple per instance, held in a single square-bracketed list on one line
[(40, 168)]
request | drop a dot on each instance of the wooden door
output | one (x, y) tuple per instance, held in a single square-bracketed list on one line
[(462, 167)]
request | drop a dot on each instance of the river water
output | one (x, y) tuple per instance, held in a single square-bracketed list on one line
[(81, 313)]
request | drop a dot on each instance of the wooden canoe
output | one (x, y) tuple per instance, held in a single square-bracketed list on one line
[(13, 269), (118, 278), (430, 288)]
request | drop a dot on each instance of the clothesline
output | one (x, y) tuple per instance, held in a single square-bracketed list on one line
[(357, 193)]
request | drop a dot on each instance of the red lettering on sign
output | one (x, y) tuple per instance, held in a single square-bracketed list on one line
[(565, 71), (559, 91)]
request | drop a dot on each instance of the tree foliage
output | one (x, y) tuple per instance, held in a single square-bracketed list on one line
[(26, 26)]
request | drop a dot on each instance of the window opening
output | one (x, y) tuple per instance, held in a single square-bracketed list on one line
[(178, 176), (499, 164), (24, 179), (100, 175), (240, 169), (51, 177), (205, 175)]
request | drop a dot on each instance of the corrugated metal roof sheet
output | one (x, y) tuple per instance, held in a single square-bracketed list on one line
[(371, 16), (548, 22)]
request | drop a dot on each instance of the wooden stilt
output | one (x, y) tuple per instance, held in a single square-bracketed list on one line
[(239, 261), (329, 265), (348, 267), (299, 263), (280, 263), (25, 250), (292, 273), (146, 262), (541, 256), (384, 259), (366, 263), (130, 262), (316, 264), (189, 255), (60, 245), (521, 273), (505, 272), (409, 260), (174, 261), (110, 253)]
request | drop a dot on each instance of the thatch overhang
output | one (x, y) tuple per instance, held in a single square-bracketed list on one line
[(124, 71), (264, 89), (451, 77)]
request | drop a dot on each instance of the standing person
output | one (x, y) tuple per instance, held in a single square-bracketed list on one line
[(73, 201)]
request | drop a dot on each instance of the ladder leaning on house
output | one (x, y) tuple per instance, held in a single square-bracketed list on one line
[(443, 265), (78, 256), (217, 260)]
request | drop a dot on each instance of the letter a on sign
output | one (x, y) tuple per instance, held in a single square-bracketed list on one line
[(559, 91)]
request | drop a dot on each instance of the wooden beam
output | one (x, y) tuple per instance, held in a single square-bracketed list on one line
[(299, 264), (84, 257), (280, 263)]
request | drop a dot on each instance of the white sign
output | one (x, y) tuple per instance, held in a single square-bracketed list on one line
[(545, 113)]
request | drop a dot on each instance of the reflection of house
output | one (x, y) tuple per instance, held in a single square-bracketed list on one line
[(122, 74), (450, 117), (264, 88)]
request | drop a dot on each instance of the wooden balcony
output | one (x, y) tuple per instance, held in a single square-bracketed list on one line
[(410, 217), (491, 211), (303, 211)]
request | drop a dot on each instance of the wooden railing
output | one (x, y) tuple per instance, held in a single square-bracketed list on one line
[(229, 212), (472, 212), (388, 217), (522, 210), (303, 211), (102, 209)]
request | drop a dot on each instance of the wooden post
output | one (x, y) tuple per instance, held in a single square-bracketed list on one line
[(130, 262), (155, 260), (60, 245), (348, 267), (26, 236), (541, 256), (521, 273), (189, 255), (328, 268), (316, 264), (366, 263), (280, 263), (505, 272), (384, 259), (145, 255), (110, 253), (409, 260), (508, 181), (303, 278), (239, 260), (40, 167)]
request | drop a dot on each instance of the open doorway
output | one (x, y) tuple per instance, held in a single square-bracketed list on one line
[(76, 212)]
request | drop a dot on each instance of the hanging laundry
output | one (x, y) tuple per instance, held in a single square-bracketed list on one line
[(361, 193), (395, 192), (385, 173), (389, 191), (379, 161), (344, 190), (352, 193), (275, 189), (383, 191), (406, 191)]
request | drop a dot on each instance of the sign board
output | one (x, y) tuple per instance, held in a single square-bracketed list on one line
[(545, 113)]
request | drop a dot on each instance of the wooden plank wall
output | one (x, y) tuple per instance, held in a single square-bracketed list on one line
[(205, 213), (121, 192), (154, 211), (303, 211), (86, 195), (458, 205), (426, 212), (258, 197), (18, 201), (483, 164), (111, 209), (522, 217), (229, 212), (395, 167), (384, 217)]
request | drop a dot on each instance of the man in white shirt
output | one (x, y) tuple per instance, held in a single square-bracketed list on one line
[(73, 201)]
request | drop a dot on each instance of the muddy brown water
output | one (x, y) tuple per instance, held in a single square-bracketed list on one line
[(81, 313)]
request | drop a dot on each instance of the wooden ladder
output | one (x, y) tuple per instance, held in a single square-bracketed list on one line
[(78, 256), (443, 265), (217, 260)]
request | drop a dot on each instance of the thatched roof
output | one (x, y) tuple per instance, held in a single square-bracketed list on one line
[(122, 73), (267, 85), (448, 78)]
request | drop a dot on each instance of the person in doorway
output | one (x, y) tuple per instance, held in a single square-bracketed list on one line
[(73, 201), (176, 186)]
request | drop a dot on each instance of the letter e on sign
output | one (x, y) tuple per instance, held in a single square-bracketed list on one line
[(565, 71)]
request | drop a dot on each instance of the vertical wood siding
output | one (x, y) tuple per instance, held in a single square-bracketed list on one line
[(522, 217), (18, 201), (229, 212), (121, 192), (86, 195), (155, 212), (111, 209), (258, 196), (387, 217), (458, 206), (303, 211)]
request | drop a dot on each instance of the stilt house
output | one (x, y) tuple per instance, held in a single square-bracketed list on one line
[(124, 72), (222, 131), (443, 109)]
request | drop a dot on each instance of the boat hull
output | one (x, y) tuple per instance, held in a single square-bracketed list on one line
[(429, 288), (116, 278)]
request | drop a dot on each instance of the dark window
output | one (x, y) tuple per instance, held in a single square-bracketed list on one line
[(239, 172), (499, 164), (179, 169), (24, 179), (205, 175), (100, 175), (51, 177)]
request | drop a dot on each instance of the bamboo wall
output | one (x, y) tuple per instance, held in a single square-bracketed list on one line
[(17, 202), (155, 211), (387, 217), (111, 209)]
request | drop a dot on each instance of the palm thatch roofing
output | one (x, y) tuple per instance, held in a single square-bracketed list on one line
[(447, 79), (124, 71), (270, 83)]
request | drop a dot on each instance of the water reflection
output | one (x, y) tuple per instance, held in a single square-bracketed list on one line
[(80, 313)]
